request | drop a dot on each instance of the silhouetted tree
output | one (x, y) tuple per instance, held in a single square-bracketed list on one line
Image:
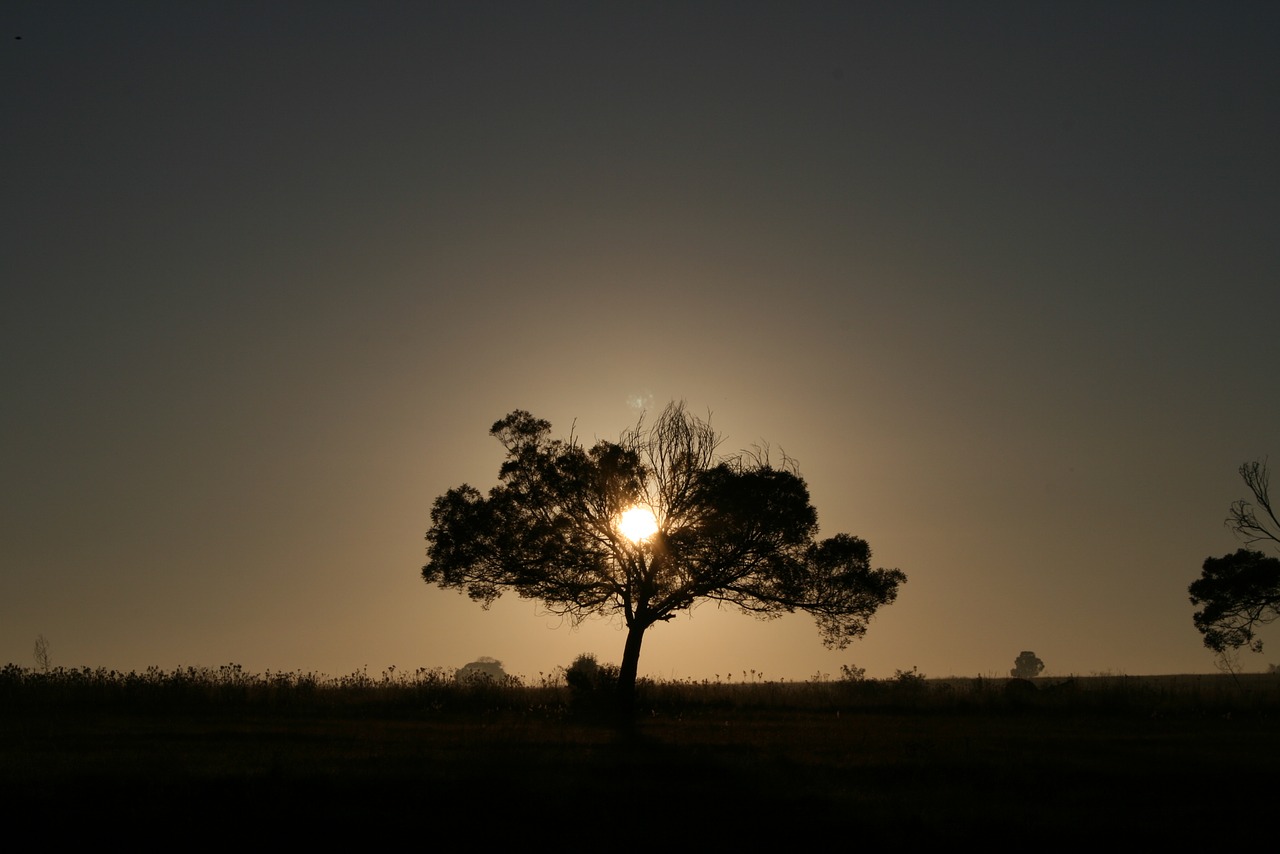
[(1243, 517), (732, 529), (483, 668), (1240, 592), (1026, 665)]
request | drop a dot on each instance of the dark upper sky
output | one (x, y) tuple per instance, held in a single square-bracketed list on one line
[(1001, 276)]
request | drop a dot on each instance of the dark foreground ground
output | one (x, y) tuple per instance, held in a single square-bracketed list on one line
[(895, 767)]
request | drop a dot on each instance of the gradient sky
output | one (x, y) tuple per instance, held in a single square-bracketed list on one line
[(1002, 277)]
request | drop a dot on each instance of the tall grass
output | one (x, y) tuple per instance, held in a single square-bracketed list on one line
[(231, 687), (435, 691)]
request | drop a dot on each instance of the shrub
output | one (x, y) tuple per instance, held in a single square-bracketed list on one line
[(853, 673), (589, 680)]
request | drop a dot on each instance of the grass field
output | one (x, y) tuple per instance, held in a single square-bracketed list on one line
[(1095, 759)]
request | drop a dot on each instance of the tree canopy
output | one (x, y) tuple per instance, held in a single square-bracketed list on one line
[(1027, 665), (734, 529), (1241, 592)]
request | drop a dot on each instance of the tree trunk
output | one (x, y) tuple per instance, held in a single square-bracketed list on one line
[(630, 665)]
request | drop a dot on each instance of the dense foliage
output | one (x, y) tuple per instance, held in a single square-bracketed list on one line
[(1237, 594)]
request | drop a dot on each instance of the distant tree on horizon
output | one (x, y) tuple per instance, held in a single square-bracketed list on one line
[(1026, 665), (483, 668)]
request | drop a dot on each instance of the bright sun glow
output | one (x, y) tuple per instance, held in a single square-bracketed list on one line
[(638, 524)]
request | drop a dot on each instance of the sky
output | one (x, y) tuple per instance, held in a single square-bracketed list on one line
[(1000, 276)]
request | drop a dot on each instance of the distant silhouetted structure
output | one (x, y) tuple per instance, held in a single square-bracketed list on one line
[(1026, 665)]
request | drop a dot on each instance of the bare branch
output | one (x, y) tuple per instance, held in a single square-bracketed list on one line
[(1243, 519)]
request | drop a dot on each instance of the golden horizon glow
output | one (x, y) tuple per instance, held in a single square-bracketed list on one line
[(638, 524)]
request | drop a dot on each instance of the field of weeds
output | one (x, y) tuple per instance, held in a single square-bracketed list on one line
[(1140, 758)]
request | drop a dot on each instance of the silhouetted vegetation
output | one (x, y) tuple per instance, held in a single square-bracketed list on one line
[(483, 668), (230, 688), (904, 758), (1026, 666), (426, 692), (592, 686), (1240, 592), (736, 529)]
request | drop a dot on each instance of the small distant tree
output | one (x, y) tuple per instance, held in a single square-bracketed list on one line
[(484, 669), (1026, 665)]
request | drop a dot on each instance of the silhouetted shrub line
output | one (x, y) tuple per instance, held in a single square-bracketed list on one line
[(586, 687)]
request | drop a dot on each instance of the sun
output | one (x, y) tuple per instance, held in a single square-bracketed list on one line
[(638, 524)]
